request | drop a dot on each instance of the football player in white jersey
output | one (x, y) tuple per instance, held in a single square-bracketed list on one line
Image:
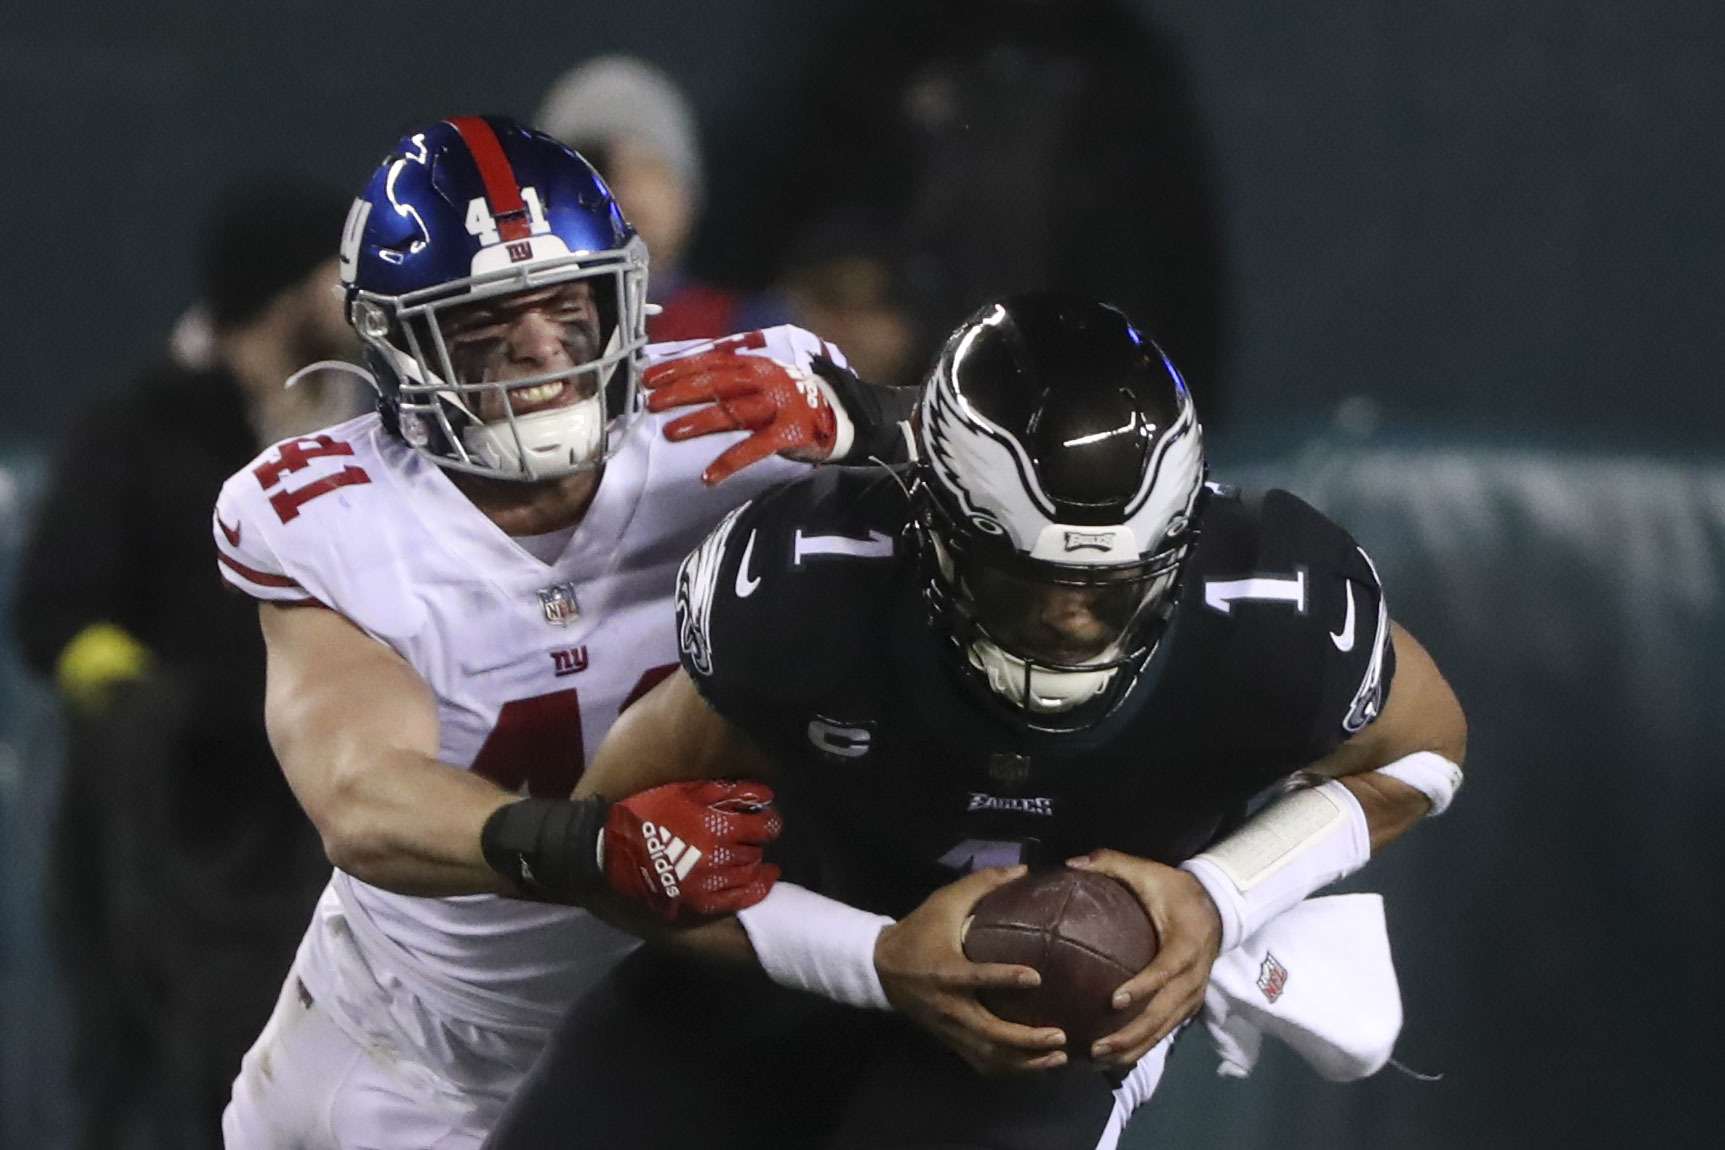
[(459, 594)]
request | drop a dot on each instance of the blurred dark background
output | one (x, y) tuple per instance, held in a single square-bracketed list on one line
[(1472, 259)]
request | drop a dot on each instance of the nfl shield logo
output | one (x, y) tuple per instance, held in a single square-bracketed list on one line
[(1272, 977), (559, 604)]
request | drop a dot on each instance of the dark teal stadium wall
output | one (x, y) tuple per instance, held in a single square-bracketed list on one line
[(1491, 216)]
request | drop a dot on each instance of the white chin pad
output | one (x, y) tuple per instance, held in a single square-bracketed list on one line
[(1049, 692), (542, 445)]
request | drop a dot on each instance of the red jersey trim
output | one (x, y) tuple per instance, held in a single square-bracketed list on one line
[(261, 578)]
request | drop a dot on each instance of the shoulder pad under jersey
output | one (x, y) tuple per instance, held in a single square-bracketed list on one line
[(314, 519), (1299, 609), (780, 599)]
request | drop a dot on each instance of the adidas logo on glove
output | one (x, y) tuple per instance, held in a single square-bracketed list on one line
[(671, 857)]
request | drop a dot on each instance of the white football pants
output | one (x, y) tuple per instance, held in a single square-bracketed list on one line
[(306, 1085)]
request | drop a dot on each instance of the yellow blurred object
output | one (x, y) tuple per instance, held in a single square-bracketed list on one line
[(98, 657)]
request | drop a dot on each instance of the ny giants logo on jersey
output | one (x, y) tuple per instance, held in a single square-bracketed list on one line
[(1272, 977), (569, 662)]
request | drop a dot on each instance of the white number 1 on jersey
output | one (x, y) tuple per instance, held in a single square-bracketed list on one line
[(878, 545), (1222, 594)]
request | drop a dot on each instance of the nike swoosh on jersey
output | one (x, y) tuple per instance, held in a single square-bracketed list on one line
[(745, 585), (233, 533), (1344, 639)]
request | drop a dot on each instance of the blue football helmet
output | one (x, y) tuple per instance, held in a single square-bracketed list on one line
[(462, 213)]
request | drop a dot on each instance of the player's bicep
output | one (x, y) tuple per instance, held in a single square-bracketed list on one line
[(336, 700), (1420, 713), (670, 734)]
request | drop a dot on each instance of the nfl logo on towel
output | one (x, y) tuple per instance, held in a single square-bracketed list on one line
[(1272, 977), (559, 604)]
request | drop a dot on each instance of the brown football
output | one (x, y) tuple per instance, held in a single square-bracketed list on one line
[(1084, 933)]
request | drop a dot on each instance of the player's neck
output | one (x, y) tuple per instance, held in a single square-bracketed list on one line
[(530, 508)]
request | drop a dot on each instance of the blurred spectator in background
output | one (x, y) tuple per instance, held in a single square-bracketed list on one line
[(842, 280), (632, 122), (182, 868), (1014, 144), (191, 342)]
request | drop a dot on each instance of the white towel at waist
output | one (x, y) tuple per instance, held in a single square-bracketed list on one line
[(1320, 978)]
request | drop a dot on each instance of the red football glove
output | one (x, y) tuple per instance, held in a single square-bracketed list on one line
[(692, 848), (789, 410)]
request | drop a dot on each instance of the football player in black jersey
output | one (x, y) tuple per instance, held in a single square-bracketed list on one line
[(1049, 640)]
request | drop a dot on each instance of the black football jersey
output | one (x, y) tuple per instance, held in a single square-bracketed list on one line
[(804, 620)]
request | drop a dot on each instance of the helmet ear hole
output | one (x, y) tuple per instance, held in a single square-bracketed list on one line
[(369, 320)]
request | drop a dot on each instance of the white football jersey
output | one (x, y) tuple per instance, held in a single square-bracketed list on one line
[(531, 662)]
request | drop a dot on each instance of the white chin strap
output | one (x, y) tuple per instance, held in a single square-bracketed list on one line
[(1039, 690), (542, 445)]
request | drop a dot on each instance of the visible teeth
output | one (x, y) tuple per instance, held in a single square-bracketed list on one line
[(537, 394)]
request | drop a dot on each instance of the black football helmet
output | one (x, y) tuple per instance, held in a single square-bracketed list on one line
[(1060, 468)]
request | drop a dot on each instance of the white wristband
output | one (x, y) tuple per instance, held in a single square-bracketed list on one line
[(1297, 844), (807, 941), (1429, 773)]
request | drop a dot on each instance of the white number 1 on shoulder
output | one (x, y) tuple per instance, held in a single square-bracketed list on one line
[(878, 545), (1222, 594)]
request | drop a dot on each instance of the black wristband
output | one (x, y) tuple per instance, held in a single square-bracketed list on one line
[(877, 412), (548, 848)]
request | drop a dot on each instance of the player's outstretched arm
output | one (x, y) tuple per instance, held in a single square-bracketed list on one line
[(356, 731), (689, 816), (670, 735), (824, 414), (802, 939), (670, 844)]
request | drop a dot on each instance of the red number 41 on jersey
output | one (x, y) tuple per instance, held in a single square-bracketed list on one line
[(296, 455)]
